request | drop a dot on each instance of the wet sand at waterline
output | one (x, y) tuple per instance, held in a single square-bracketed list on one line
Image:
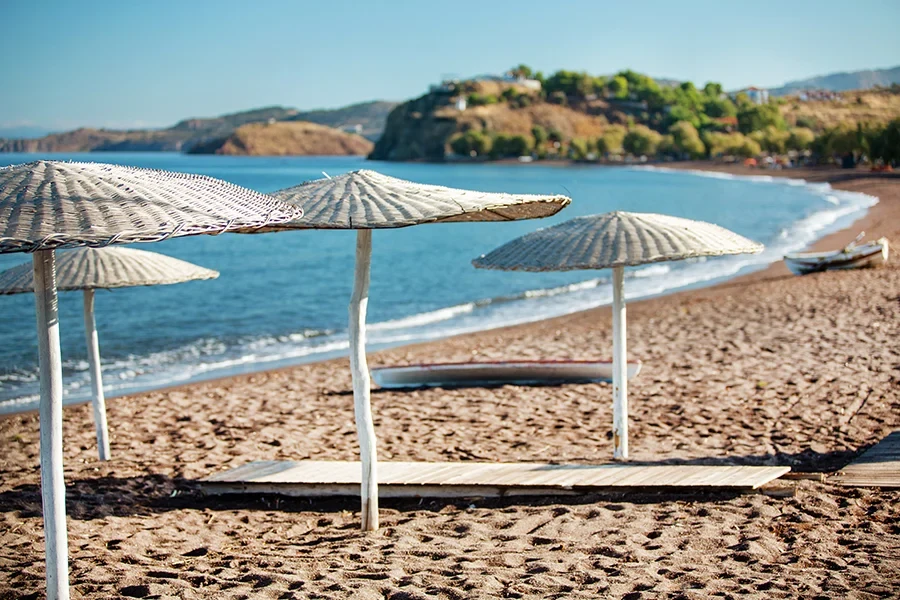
[(765, 369)]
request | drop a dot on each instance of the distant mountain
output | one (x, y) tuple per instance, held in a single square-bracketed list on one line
[(23, 131), (839, 82), (234, 120), (286, 138), (370, 118)]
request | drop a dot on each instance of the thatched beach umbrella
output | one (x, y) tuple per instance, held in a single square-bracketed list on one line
[(45, 205), (366, 200), (616, 240), (89, 269)]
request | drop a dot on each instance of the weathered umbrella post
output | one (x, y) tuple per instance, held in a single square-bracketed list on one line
[(620, 366), (98, 401), (89, 269), (53, 485), (362, 404), (616, 240), (45, 205), (366, 200)]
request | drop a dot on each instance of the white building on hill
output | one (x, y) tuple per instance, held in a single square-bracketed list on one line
[(757, 95)]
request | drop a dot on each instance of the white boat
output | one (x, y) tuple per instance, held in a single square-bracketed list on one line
[(870, 254), (522, 372)]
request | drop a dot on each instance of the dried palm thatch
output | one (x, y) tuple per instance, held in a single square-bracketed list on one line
[(45, 205), (369, 200), (106, 268), (366, 200), (616, 239), (52, 204)]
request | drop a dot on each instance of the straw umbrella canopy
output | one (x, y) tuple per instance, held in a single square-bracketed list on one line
[(616, 240), (45, 205), (365, 200), (88, 269)]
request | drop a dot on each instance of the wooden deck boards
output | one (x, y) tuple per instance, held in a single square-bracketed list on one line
[(415, 479), (879, 466)]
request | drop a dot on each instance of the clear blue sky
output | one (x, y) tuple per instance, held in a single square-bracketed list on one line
[(150, 63)]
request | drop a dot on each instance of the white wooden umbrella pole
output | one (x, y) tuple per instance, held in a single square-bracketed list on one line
[(97, 399), (361, 387), (53, 486), (620, 367)]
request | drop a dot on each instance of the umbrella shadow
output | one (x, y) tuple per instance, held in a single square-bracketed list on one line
[(91, 498), (118, 497)]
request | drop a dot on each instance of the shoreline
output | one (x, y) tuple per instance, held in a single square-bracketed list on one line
[(765, 369), (829, 241)]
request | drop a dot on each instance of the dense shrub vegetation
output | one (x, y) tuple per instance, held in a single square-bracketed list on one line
[(678, 121)]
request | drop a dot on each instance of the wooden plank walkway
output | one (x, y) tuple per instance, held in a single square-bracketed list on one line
[(879, 466), (416, 479)]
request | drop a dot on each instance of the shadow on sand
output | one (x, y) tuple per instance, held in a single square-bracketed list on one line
[(90, 498)]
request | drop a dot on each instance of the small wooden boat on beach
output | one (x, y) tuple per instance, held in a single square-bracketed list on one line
[(522, 372), (870, 254)]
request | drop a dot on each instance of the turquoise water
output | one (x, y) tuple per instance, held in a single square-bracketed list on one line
[(282, 298)]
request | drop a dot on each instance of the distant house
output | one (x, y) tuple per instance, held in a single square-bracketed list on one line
[(757, 95), (531, 84), (461, 103), (357, 128)]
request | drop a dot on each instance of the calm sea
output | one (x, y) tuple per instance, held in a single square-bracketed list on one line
[(282, 298)]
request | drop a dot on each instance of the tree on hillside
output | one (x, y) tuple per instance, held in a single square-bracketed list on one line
[(476, 99), (519, 145), (771, 139), (579, 148), (748, 149), (471, 143), (641, 140), (730, 144), (686, 139), (640, 86), (540, 136), (510, 146), (554, 136), (618, 87), (558, 97), (885, 143), (800, 138), (712, 89), (570, 83), (679, 113), (759, 116), (719, 107), (840, 140), (611, 140), (509, 93), (521, 71)]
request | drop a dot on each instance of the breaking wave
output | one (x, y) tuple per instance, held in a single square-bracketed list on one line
[(214, 357)]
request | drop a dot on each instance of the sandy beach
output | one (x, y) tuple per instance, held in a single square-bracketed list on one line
[(766, 369)]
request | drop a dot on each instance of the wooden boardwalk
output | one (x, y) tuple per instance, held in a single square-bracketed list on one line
[(415, 479), (879, 466)]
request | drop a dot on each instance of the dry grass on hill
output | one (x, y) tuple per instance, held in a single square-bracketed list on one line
[(292, 138), (519, 121), (870, 106)]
